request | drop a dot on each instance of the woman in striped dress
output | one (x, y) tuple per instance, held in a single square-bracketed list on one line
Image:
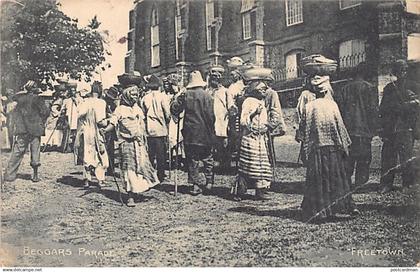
[(255, 170), (136, 169)]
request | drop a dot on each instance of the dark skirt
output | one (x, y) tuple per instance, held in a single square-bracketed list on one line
[(327, 190)]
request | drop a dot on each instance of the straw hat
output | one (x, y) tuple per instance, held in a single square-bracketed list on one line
[(196, 80)]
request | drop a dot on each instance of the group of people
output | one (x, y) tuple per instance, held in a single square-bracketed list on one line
[(140, 122)]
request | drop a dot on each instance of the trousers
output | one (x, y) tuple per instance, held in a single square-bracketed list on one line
[(157, 152), (195, 154), (20, 145), (398, 146), (359, 159)]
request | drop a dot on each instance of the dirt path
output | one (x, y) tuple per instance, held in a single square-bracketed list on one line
[(163, 230)]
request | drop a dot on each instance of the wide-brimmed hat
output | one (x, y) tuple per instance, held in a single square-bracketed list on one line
[(258, 73), (235, 62), (133, 78), (112, 93), (196, 80), (153, 82)]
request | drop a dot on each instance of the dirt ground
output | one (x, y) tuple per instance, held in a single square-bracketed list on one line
[(58, 223)]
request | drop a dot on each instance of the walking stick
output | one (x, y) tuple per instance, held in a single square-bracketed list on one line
[(300, 153), (176, 157), (52, 133), (118, 186), (272, 154), (168, 147), (113, 172)]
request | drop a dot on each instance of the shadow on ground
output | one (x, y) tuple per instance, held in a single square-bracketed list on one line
[(288, 187)]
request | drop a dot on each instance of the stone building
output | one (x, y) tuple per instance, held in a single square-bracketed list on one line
[(180, 35)]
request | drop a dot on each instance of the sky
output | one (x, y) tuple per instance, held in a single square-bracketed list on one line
[(113, 15)]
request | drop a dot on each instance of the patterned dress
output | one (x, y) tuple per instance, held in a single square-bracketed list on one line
[(137, 171), (254, 164)]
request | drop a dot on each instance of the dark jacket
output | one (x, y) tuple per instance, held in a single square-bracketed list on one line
[(199, 116), (31, 115), (399, 108), (358, 103)]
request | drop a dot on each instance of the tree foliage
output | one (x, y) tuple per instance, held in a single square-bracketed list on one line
[(40, 42)]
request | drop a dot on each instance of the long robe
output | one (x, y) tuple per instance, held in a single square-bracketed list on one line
[(254, 164), (136, 168), (325, 145)]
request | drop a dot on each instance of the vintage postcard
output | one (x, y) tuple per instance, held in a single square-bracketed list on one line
[(210, 133)]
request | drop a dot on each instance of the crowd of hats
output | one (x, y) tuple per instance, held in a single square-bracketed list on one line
[(312, 65)]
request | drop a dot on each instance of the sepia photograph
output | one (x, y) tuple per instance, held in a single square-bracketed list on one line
[(209, 134)]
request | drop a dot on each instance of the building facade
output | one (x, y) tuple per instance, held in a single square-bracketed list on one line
[(177, 36)]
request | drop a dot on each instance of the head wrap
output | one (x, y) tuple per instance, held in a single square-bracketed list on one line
[(126, 98), (321, 83), (254, 88)]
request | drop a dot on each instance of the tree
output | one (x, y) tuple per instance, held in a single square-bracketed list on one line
[(38, 41)]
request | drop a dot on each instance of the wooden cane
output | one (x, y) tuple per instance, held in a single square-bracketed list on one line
[(176, 157)]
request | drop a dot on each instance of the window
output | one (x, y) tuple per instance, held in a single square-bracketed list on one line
[(246, 25), (246, 10), (413, 45), (210, 15), (154, 38), (294, 12), (180, 26), (413, 6), (345, 4), (292, 64), (351, 53)]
